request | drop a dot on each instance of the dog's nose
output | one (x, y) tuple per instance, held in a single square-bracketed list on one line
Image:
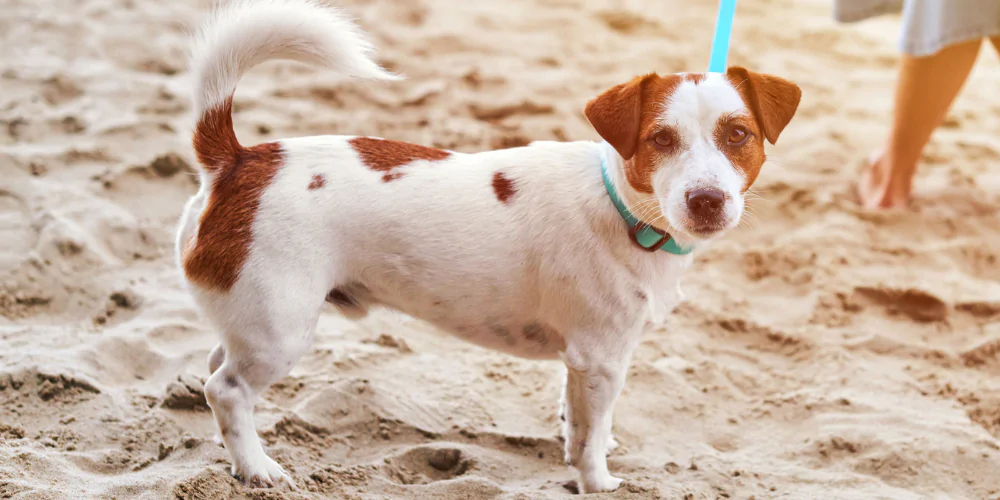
[(706, 203)]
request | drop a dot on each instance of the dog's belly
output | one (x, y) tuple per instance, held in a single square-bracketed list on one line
[(526, 339), (522, 335)]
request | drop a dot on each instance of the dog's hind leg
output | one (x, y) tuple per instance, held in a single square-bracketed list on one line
[(267, 326), (215, 358)]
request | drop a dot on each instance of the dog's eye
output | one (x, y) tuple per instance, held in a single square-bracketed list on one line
[(738, 135), (664, 139)]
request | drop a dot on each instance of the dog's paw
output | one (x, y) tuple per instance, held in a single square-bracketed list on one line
[(266, 474), (604, 484)]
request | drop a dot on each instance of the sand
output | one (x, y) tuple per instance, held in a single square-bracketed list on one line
[(824, 352)]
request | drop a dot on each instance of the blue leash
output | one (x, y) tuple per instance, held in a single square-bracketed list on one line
[(723, 29)]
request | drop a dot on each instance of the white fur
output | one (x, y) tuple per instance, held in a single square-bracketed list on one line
[(244, 33), (436, 244)]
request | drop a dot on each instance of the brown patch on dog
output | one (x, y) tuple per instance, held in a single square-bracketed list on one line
[(221, 247), (214, 140), (625, 115), (694, 78), (747, 157), (503, 187), (771, 99), (391, 176), (318, 181), (383, 155), (543, 335)]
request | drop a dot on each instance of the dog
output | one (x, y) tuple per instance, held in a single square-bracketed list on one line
[(554, 250)]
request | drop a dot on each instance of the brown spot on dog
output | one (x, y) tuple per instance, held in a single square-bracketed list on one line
[(225, 231), (317, 182), (641, 295), (694, 78), (503, 187), (231, 381), (625, 117), (542, 334), (383, 155), (391, 176)]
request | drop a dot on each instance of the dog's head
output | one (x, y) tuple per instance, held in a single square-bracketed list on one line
[(692, 144)]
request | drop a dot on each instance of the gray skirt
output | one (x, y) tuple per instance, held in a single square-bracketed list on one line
[(928, 25)]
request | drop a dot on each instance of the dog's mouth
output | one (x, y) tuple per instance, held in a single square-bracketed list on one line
[(706, 230), (703, 229)]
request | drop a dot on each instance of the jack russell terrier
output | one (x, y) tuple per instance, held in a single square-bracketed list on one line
[(549, 251)]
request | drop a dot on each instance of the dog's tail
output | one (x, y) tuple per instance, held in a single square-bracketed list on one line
[(244, 33)]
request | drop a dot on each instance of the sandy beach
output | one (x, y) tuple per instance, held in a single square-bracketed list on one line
[(824, 352)]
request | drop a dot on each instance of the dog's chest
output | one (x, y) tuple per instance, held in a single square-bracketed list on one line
[(663, 288)]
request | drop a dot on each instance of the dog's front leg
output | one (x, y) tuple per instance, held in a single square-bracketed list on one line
[(592, 387), (612, 442)]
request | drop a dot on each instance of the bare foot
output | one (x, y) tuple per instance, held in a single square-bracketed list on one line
[(880, 187)]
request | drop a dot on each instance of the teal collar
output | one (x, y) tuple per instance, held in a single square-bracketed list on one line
[(647, 237)]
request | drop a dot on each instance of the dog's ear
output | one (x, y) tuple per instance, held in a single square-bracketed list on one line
[(616, 114), (771, 99)]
